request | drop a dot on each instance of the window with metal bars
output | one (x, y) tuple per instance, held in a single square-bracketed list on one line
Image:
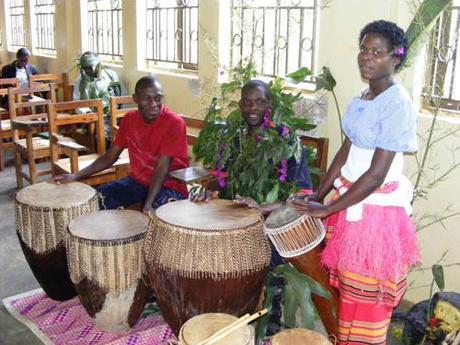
[(44, 11), (105, 28), (172, 33), (278, 36), (16, 25), (444, 61)]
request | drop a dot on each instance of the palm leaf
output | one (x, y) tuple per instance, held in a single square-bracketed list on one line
[(290, 306), (424, 20)]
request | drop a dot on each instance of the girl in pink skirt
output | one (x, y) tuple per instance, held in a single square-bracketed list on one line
[(371, 238)]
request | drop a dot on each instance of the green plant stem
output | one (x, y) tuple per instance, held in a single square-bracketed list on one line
[(448, 134), (339, 115), (452, 168), (438, 220), (427, 146), (429, 268)]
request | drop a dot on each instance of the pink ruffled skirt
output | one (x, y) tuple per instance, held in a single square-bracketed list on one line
[(381, 245)]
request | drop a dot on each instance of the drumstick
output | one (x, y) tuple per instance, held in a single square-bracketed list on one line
[(244, 320)]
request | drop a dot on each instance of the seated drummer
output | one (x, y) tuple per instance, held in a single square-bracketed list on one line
[(156, 141), (255, 99)]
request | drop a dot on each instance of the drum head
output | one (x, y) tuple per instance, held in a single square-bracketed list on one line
[(216, 214), (55, 195), (282, 216), (203, 326), (109, 225), (299, 336)]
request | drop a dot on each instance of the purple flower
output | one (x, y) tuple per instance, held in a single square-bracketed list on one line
[(258, 138), (266, 122), (220, 179), (284, 132), (399, 51), (219, 174), (283, 171)]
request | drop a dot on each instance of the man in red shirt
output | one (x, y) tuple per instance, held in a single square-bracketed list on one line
[(156, 141)]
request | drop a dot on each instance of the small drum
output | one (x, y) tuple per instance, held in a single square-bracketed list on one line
[(299, 336), (296, 237), (104, 251), (43, 212), (293, 234), (206, 257), (203, 326)]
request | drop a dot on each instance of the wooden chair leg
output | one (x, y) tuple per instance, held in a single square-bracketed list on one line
[(2, 157), (32, 169), (18, 167)]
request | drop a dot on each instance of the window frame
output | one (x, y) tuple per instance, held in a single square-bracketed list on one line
[(277, 66), (108, 52), (436, 68), (11, 45), (179, 62), (37, 50)]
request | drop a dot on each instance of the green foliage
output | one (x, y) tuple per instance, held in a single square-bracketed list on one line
[(325, 80), (421, 25), (438, 276), (151, 309), (252, 163), (298, 307)]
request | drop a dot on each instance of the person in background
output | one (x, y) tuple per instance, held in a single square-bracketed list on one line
[(156, 141), (20, 68), (371, 237), (97, 81)]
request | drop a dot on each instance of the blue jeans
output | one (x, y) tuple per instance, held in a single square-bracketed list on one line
[(126, 192)]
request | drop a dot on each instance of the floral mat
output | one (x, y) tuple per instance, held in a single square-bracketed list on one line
[(67, 323)]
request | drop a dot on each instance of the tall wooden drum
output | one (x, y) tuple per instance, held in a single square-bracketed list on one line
[(43, 212), (296, 237), (104, 251), (206, 257)]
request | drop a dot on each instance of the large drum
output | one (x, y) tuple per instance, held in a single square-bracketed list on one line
[(206, 257), (297, 238), (203, 326), (104, 251), (299, 336), (43, 212)]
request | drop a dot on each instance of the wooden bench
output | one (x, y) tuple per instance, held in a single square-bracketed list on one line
[(59, 83), (63, 114)]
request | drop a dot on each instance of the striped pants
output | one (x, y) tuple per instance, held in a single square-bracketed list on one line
[(364, 311)]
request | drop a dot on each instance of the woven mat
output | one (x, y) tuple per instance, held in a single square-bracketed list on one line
[(67, 323)]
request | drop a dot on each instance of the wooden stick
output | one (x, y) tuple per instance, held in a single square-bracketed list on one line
[(244, 317), (244, 320)]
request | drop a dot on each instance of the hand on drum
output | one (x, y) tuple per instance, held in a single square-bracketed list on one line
[(64, 178), (310, 207), (249, 202), (200, 194), (148, 209)]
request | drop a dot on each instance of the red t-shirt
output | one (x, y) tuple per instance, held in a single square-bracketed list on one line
[(146, 142)]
